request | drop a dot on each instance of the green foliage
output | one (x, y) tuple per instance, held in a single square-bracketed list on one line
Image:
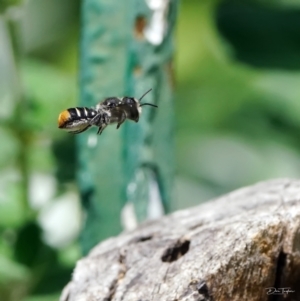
[(48, 91), (238, 96), (4, 4), (33, 92)]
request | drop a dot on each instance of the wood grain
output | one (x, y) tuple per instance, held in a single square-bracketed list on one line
[(231, 248)]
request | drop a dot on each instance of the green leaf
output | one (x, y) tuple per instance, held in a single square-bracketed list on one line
[(47, 92), (12, 271)]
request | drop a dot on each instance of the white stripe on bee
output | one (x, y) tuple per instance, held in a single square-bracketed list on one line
[(85, 112), (78, 112)]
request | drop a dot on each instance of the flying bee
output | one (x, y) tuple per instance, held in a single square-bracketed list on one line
[(110, 110)]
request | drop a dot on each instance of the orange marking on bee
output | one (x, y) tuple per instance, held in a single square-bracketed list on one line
[(63, 118)]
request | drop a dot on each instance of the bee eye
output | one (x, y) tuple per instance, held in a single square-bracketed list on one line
[(128, 100)]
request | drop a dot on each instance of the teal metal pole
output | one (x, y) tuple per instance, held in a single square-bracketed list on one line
[(125, 175)]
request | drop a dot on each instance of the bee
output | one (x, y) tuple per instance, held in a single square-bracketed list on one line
[(110, 110)]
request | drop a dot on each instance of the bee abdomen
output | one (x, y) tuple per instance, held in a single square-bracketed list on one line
[(75, 114), (82, 113)]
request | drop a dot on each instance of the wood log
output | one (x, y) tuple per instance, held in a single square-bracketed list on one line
[(233, 248)]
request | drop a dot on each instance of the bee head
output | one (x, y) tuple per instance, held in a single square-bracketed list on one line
[(132, 108), (130, 101), (136, 103)]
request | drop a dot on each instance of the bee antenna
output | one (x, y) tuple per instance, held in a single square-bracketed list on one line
[(148, 104), (145, 94)]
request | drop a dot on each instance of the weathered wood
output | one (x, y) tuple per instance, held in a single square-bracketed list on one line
[(232, 248)]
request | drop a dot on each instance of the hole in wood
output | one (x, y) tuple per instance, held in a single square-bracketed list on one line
[(176, 251), (202, 288), (279, 275), (144, 238), (140, 24)]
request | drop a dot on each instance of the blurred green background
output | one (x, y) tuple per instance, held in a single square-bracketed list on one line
[(237, 121)]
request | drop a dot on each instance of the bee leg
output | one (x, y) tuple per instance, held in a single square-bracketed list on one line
[(123, 118), (106, 119), (96, 120), (101, 129), (99, 119)]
